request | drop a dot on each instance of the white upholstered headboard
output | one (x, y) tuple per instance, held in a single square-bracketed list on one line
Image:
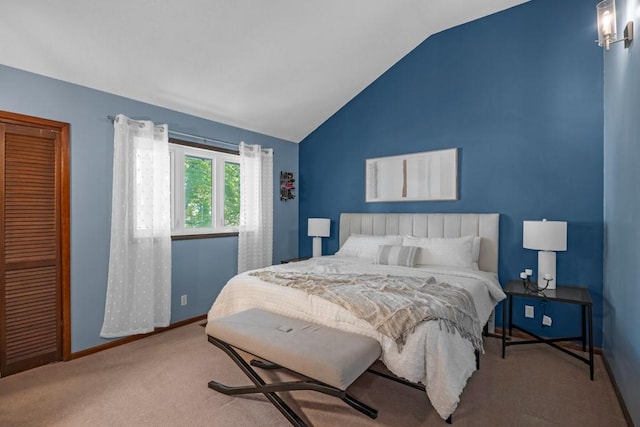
[(430, 225)]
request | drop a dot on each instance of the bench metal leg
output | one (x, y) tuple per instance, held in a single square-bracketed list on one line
[(263, 364), (284, 409), (359, 406), (270, 390), (318, 386)]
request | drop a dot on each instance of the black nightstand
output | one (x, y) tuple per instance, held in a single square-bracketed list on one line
[(564, 294), (302, 258)]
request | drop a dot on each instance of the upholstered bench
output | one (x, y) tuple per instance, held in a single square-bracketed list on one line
[(331, 359)]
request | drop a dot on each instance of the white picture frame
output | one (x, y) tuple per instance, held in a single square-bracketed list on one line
[(426, 176)]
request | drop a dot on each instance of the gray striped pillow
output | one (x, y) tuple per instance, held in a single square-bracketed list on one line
[(396, 255)]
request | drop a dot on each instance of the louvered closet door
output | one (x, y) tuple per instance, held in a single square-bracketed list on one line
[(30, 248)]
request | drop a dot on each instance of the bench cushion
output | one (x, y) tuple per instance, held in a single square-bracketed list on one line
[(325, 354)]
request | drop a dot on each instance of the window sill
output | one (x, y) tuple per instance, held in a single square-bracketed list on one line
[(203, 236)]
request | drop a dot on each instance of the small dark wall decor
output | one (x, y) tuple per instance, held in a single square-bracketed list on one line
[(286, 186)]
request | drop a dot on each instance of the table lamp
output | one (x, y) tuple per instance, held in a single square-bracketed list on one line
[(318, 228), (547, 237)]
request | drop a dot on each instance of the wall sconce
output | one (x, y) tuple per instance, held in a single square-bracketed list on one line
[(607, 27)]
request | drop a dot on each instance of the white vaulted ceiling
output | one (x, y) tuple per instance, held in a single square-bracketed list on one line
[(278, 67)]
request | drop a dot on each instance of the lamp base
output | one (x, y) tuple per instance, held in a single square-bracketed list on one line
[(546, 265), (317, 246)]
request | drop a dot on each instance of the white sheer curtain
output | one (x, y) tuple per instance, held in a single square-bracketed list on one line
[(255, 240), (139, 283)]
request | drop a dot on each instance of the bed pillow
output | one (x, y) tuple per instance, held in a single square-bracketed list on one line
[(366, 246), (454, 252), (396, 255)]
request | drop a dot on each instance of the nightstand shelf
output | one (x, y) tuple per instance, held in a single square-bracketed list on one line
[(564, 294)]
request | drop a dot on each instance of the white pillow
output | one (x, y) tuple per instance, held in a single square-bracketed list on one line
[(455, 252), (366, 246), (396, 255)]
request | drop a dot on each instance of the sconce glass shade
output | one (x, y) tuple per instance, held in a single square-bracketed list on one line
[(607, 32)]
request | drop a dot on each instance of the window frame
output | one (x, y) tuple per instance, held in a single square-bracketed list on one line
[(178, 149)]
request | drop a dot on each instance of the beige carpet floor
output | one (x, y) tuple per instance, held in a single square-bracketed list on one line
[(162, 381)]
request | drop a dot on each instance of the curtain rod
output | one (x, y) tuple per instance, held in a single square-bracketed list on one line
[(188, 135)]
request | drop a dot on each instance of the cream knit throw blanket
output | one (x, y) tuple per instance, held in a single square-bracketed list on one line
[(393, 305)]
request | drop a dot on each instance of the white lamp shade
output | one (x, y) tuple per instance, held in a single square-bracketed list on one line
[(319, 227), (545, 235)]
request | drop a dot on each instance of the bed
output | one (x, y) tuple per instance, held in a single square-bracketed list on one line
[(436, 356)]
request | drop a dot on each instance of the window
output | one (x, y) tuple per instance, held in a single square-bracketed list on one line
[(205, 190)]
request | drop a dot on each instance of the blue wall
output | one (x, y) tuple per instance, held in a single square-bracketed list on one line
[(200, 267), (520, 94), (622, 210)]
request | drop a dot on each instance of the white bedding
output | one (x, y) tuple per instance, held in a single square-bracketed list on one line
[(442, 361)]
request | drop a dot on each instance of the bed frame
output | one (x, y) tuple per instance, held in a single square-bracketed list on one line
[(429, 225)]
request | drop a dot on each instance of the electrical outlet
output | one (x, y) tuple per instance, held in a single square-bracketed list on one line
[(183, 300), (528, 311), (546, 320)]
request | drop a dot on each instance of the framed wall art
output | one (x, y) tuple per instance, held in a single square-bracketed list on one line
[(431, 175), (287, 183)]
